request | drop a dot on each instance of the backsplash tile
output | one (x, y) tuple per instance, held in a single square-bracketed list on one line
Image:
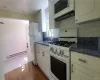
[(89, 29), (88, 42)]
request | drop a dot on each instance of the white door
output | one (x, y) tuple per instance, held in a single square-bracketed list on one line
[(47, 63)]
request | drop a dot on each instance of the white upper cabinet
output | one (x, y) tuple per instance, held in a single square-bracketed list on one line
[(51, 15), (86, 10)]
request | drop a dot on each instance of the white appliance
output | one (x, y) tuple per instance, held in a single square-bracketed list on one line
[(68, 34), (60, 54), (59, 63), (35, 35), (62, 7)]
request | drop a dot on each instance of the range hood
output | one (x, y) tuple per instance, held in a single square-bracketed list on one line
[(65, 16)]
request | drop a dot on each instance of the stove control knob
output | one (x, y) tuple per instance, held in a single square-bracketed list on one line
[(62, 53), (51, 49), (55, 51), (66, 56)]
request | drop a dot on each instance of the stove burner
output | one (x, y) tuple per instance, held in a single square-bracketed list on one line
[(63, 43)]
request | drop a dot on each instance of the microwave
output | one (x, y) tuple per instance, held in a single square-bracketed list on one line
[(62, 7)]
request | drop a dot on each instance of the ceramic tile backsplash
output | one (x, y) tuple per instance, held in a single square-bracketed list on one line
[(89, 29), (89, 32), (88, 42), (53, 33)]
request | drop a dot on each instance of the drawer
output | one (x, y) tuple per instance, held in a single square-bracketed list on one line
[(44, 48), (92, 74), (90, 62)]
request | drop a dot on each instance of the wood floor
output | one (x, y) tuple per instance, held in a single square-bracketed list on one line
[(26, 72)]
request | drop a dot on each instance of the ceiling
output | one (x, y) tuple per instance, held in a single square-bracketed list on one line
[(23, 6)]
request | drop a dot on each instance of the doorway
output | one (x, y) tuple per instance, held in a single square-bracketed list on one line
[(15, 43)]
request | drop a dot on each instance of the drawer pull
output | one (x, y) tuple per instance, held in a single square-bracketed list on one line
[(84, 61), (43, 54)]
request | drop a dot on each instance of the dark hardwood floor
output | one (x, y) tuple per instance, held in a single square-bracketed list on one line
[(26, 72)]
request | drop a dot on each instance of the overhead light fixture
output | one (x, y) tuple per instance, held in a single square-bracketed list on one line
[(1, 23)]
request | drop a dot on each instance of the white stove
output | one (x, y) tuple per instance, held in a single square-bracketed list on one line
[(59, 51), (60, 60)]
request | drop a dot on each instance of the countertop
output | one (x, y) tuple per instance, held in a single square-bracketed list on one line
[(88, 50), (43, 43)]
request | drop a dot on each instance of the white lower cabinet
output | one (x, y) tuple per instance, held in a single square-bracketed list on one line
[(43, 58), (38, 55), (46, 63), (84, 67), (77, 75), (82, 73)]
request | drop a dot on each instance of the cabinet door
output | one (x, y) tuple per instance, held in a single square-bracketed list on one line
[(37, 51), (41, 59), (84, 10), (51, 15), (77, 75), (45, 60), (47, 64), (39, 55)]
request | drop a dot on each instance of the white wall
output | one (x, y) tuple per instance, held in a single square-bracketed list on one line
[(89, 29), (14, 36)]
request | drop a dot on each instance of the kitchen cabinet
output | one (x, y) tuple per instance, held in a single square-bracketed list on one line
[(51, 15), (43, 58), (46, 63), (77, 75), (86, 61), (38, 55), (83, 67), (86, 10)]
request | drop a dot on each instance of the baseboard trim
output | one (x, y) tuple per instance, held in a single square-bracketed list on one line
[(16, 54)]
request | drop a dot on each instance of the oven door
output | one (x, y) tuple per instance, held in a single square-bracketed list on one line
[(59, 68)]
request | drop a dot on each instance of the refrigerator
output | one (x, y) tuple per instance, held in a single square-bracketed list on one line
[(35, 35)]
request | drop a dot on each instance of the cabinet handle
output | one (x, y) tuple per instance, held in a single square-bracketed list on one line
[(76, 20), (71, 68), (84, 61), (43, 54), (65, 30)]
